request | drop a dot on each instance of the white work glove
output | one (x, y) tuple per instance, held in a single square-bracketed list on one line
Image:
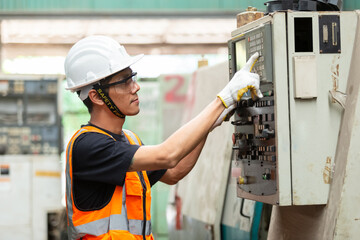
[(242, 81), (224, 116)]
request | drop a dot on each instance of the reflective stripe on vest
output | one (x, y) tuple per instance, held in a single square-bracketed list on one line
[(114, 216), (133, 137)]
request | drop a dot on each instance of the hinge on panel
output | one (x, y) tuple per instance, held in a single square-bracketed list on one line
[(338, 97)]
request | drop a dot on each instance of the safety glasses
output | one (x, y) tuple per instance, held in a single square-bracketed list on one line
[(124, 85)]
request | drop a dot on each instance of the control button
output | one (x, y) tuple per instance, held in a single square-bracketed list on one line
[(266, 176), (250, 136), (270, 103), (272, 158), (265, 118), (270, 148), (271, 117)]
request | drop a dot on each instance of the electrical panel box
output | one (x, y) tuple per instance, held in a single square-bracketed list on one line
[(30, 148), (285, 143), (30, 121)]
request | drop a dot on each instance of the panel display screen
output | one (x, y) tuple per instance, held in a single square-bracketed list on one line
[(240, 54)]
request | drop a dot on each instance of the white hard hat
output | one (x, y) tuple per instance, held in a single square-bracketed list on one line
[(94, 58)]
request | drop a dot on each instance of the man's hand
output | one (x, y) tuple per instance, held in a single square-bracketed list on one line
[(224, 116), (242, 82)]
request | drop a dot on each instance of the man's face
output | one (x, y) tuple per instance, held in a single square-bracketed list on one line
[(124, 94)]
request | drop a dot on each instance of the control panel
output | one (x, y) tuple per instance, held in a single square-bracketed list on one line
[(284, 142), (254, 136), (30, 122), (255, 145)]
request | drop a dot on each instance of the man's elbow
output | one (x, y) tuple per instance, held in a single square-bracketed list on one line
[(172, 182), (168, 159), (171, 177)]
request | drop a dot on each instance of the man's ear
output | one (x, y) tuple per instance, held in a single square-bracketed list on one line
[(95, 97)]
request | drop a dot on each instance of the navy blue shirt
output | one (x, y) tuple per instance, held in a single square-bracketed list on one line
[(99, 164)]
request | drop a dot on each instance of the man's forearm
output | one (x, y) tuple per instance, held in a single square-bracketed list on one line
[(169, 153), (185, 165), (190, 135)]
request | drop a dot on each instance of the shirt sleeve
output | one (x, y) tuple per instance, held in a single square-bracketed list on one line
[(97, 157), (154, 176)]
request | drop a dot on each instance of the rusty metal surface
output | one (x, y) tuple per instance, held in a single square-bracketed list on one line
[(247, 17)]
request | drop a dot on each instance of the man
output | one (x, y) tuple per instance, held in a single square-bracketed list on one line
[(109, 173)]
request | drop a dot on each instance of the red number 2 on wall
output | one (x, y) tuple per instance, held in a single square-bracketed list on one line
[(173, 95)]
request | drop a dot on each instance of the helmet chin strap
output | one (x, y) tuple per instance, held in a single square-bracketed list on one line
[(108, 102)]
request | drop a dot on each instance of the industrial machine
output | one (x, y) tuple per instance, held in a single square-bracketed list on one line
[(285, 143), (29, 122), (303, 5), (30, 147)]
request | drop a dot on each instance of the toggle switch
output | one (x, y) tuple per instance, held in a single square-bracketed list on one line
[(266, 176), (242, 180), (246, 180), (267, 133)]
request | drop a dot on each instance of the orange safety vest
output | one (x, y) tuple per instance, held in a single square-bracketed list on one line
[(126, 216)]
